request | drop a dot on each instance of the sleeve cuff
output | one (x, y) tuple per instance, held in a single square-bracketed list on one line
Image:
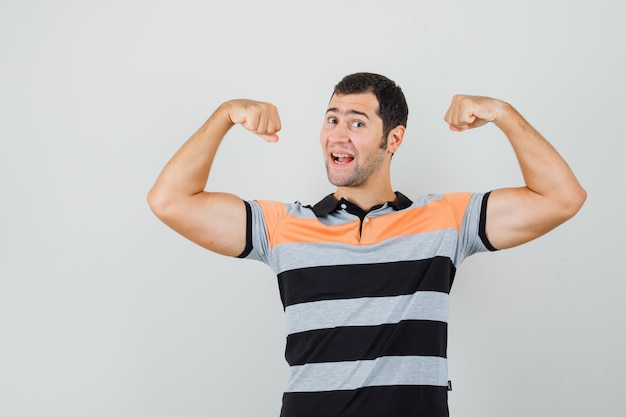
[(248, 247), (482, 226)]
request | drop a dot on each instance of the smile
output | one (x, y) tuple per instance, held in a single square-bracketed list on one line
[(342, 158)]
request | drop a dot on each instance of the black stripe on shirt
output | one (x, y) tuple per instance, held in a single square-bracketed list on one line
[(365, 280), (407, 338), (384, 401)]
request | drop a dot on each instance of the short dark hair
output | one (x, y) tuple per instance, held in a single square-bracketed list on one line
[(392, 107)]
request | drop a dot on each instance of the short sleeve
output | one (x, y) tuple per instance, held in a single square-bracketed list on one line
[(471, 219), (257, 241)]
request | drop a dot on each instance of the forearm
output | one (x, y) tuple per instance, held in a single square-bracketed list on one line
[(187, 172), (551, 194)]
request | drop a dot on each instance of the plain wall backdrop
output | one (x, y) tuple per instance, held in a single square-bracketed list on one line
[(104, 311)]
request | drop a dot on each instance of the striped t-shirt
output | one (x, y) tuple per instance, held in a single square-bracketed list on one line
[(366, 298)]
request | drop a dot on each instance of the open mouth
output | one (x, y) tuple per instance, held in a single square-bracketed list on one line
[(342, 158)]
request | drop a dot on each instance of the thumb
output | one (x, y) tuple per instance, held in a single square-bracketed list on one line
[(270, 138)]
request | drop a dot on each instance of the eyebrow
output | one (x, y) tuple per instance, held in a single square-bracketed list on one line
[(351, 111)]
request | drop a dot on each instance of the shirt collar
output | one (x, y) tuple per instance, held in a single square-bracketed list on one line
[(329, 204)]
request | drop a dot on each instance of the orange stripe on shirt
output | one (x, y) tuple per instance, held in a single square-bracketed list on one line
[(417, 220), (406, 222)]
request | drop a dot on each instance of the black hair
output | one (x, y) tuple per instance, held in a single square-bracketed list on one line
[(392, 107)]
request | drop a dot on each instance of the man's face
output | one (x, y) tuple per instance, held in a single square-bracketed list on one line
[(350, 137)]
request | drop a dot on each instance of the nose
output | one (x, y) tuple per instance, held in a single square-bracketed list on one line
[(339, 133)]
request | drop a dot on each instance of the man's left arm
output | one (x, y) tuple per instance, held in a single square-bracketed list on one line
[(552, 193)]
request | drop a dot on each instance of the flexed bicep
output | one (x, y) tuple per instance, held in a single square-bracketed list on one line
[(216, 221)]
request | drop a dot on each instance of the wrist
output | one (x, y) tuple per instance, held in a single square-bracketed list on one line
[(504, 113), (224, 113), (219, 122)]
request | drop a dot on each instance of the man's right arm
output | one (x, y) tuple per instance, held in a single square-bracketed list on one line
[(216, 221)]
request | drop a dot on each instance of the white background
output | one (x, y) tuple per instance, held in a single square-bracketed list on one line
[(104, 311)]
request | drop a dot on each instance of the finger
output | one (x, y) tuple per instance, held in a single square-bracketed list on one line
[(270, 138), (455, 114), (461, 122), (268, 125), (457, 128), (272, 123), (251, 123), (462, 119), (261, 125)]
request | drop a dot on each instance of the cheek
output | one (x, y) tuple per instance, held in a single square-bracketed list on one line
[(323, 140)]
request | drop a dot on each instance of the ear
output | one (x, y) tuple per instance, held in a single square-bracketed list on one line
[(394, 138)]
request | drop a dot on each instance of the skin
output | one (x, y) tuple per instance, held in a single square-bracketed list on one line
[(352, 129), (551, 194)]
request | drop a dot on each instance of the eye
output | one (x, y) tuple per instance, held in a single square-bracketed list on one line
[(357, 124), (332, 120)]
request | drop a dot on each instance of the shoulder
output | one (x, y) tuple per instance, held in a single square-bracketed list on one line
[(456, 199), (275, 210), (455, 204)]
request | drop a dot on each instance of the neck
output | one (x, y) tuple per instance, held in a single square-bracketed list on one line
[(365, 197)]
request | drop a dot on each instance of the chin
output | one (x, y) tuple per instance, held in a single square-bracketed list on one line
[(350, 178), (345, 182)]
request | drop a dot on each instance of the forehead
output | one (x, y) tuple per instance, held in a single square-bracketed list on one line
[(362, 103)]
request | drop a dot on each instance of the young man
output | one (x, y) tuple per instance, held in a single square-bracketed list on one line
[(364, 274)]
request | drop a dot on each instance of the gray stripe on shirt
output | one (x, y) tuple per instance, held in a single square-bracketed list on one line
[(366, 311), (384, 371), (290, 256)]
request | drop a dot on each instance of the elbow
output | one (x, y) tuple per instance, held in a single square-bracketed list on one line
[(158, 203), (574, 202)]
